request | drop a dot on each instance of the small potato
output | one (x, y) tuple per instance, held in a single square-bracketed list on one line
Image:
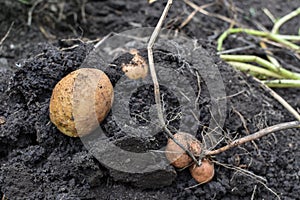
[(80, 101), (176, 155), (137, 68), (203, 173)]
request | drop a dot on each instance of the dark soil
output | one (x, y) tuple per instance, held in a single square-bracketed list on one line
[(38, 162)]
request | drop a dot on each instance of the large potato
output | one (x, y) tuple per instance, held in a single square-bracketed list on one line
[(80, 101)]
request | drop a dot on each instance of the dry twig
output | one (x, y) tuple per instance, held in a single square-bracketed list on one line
[(201, 10), (155, 81), (83, 14), (31, 11), (254, 136), (7, 33), (283, 102), (190, 17)]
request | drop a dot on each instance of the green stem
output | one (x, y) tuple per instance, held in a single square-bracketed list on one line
[(253, 70), (290, 37), (284, 19), (271, 36), (237, 30), (248, 58), (280, 40), (269, 55), (283, 83)]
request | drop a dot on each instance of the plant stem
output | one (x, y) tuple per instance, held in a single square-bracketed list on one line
[(7, 33), (155, 81), (249, 58), (253, 70), (284, 19), (254, 136), (283, 83), (269, 54), (271, 36), (237, 30), (290, 37), (202, 10), (280, 40)]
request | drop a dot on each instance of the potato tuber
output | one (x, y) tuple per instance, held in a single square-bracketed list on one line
[(80, 101), (176, 155), (137, 68), (203, 173)]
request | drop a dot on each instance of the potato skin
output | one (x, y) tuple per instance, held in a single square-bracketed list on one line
[(80, 101), (203, 173), (176, 155), (137, 68)]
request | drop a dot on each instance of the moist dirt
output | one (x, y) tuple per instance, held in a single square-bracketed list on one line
[(38, 162)]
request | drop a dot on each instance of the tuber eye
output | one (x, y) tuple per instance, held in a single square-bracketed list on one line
[(78, 113), (203, 173), (176, 155)]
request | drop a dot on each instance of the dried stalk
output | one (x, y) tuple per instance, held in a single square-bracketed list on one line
[(155, 81), (254, 136), (7, 33), (281, 100)]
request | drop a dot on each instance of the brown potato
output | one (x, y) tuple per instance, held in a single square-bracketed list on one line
[(137, 68), (203, 173), (176, 155), (80, 101)]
